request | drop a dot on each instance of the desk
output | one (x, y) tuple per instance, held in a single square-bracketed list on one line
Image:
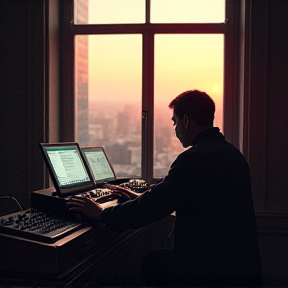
[(112, 259)]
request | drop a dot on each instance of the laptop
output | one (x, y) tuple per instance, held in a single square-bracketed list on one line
[(100, 167), (68, 168)]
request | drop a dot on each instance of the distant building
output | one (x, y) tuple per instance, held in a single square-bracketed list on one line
[(81, 75)]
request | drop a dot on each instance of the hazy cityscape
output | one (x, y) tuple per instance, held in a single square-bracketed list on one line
[(116, 125), (119, 132)]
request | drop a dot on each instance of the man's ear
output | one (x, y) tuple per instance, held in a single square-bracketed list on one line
[(186, 121)]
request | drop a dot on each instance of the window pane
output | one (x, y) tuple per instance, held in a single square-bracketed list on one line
[(183, 62), (187, 11), (110, 11), (114, 75)]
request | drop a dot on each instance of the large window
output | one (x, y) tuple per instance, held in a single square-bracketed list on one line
[(127, 60)]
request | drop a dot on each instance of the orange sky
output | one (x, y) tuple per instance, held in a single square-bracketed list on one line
[(182, 62), (165, 11)]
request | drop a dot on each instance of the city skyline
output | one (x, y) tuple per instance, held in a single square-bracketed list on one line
[(108, 78)]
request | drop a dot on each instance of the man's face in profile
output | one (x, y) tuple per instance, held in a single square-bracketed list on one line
[(180, 130)]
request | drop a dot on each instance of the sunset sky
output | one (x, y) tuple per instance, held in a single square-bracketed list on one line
[(182, 62)]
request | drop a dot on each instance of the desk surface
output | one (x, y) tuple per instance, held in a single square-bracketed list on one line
[(87, 256)]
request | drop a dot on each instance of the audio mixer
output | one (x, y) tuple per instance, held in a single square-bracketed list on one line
[(37, 225)]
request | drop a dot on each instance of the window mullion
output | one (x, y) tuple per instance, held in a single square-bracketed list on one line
[(147, 106), (67, 103), (231, 71), (147, 11), (202, 28)]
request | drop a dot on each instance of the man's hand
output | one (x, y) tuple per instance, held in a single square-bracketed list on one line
[(132, 195), (87, 206)]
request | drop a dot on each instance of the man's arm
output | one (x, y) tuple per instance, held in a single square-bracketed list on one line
[(87, 206), (151, 206)]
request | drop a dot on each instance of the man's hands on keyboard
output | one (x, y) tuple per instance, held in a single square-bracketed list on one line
[(85, 205), (92, 208), (119, 189)]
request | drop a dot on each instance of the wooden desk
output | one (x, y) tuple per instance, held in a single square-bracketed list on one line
[(112, 258)]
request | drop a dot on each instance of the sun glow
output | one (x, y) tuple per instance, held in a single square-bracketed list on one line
[(215, 88)]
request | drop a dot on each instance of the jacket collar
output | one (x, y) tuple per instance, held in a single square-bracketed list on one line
[(213, 132)]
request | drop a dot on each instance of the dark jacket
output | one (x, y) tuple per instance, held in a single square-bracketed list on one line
[(209, 187)]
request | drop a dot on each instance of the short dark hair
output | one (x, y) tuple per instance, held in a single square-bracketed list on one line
[(197, 105)]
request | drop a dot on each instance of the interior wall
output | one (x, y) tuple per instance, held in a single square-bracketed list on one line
[(277, 116), (268, 119), (22, 89), (267, 103)]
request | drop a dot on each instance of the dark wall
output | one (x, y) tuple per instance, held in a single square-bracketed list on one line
[(277, 114), (22, 50), (274, 239)]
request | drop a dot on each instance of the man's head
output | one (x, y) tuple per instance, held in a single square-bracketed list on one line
[(193, 112)]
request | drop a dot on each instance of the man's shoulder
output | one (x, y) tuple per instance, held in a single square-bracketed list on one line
[(188, 154), (210, 148)]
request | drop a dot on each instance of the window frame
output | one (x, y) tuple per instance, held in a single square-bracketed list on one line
[(232, 118)]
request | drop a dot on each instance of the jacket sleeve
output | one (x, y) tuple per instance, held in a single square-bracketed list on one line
[(151, 206)]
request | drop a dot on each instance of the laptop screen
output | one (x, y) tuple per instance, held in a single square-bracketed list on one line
[(100, 166), (67, 167)]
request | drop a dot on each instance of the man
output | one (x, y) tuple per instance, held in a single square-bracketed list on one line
[(208, 186)]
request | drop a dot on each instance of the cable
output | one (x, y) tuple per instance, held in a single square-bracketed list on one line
[(11, 197)]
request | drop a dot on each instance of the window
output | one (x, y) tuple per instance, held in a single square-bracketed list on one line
[(127, 60)]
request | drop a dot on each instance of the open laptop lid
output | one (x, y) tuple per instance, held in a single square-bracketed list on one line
[(67, 167), (100, 166)]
